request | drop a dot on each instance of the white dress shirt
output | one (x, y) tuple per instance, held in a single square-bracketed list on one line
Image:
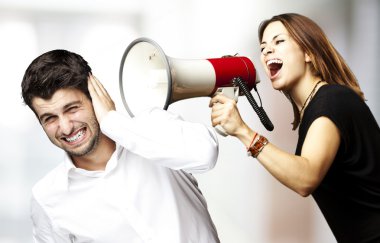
[(145, 194)]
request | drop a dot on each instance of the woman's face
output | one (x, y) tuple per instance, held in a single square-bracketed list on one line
[(283, 60)]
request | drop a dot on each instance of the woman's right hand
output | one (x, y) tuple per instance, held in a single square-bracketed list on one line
[(225, 113)]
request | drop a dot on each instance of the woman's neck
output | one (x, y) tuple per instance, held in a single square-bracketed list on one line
[(300, 93)]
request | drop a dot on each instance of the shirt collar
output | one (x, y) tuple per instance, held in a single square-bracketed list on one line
[(69, 166)]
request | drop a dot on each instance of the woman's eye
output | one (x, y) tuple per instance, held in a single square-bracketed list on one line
[(279, 41)]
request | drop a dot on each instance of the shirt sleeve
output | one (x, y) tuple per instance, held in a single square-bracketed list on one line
[(165, 139), (42, 228)]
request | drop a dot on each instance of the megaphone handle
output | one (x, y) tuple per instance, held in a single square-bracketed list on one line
[(221, 130), (230, 92)]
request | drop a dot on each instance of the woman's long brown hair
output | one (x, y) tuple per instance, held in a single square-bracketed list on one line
[(326, 62)]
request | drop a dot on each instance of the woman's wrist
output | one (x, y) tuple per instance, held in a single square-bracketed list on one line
[(245, 135), (258, 143), (253, 141)]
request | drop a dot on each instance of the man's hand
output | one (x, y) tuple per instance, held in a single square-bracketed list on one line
[(101, 100)]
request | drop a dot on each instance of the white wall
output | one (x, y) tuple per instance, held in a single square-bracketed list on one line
[(247, 204)]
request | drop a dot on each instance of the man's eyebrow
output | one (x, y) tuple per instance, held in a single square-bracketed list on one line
[(47, 114), (77, 102)]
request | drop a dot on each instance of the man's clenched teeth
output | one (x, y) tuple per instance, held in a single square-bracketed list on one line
[(76, 137)]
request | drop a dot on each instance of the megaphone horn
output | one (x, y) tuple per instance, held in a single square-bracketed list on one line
[(164, 80)]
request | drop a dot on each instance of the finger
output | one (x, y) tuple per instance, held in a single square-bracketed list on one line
[(93, 88), (216, 120), (214, 100), (219, 115), (217, 106), (221, 119), (221, 98), (227, 108), (96, 85), (100, 86), (90, 86), (211, 103), (99, 89)]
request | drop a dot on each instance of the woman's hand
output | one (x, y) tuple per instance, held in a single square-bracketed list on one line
[(101, 100), (224, 112)]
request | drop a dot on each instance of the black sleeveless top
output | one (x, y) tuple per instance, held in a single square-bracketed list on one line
[(349, 195)]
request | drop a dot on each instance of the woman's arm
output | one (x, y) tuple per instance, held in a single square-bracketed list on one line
[(302, 173)]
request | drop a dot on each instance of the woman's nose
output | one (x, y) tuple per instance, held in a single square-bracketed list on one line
[(268, 50)]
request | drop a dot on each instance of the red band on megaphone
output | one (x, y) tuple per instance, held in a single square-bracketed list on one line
[(228, 68)]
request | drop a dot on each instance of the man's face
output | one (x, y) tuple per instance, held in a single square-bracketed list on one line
[(69, 121)]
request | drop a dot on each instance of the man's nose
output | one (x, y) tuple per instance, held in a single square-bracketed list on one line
[(65, 125)]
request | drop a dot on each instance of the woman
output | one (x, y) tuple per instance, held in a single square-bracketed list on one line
[(337, 159)]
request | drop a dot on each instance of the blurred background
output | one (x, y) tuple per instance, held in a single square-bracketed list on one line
[(246, 203)]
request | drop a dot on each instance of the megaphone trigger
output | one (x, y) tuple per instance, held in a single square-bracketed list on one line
[(230, 92)]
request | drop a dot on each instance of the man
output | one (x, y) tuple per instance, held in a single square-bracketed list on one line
[(122, 179)]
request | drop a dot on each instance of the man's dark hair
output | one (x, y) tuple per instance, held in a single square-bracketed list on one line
[(54, 70)]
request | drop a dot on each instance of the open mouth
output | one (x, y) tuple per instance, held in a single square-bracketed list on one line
[(274, 66), (73, 138)]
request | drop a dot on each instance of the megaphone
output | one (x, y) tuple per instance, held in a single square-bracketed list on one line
[(164, 80)]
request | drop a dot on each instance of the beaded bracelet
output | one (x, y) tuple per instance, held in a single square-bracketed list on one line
[(255, 149)]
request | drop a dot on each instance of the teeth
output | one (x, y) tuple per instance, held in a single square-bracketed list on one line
[(278, 61), (75, 137)]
